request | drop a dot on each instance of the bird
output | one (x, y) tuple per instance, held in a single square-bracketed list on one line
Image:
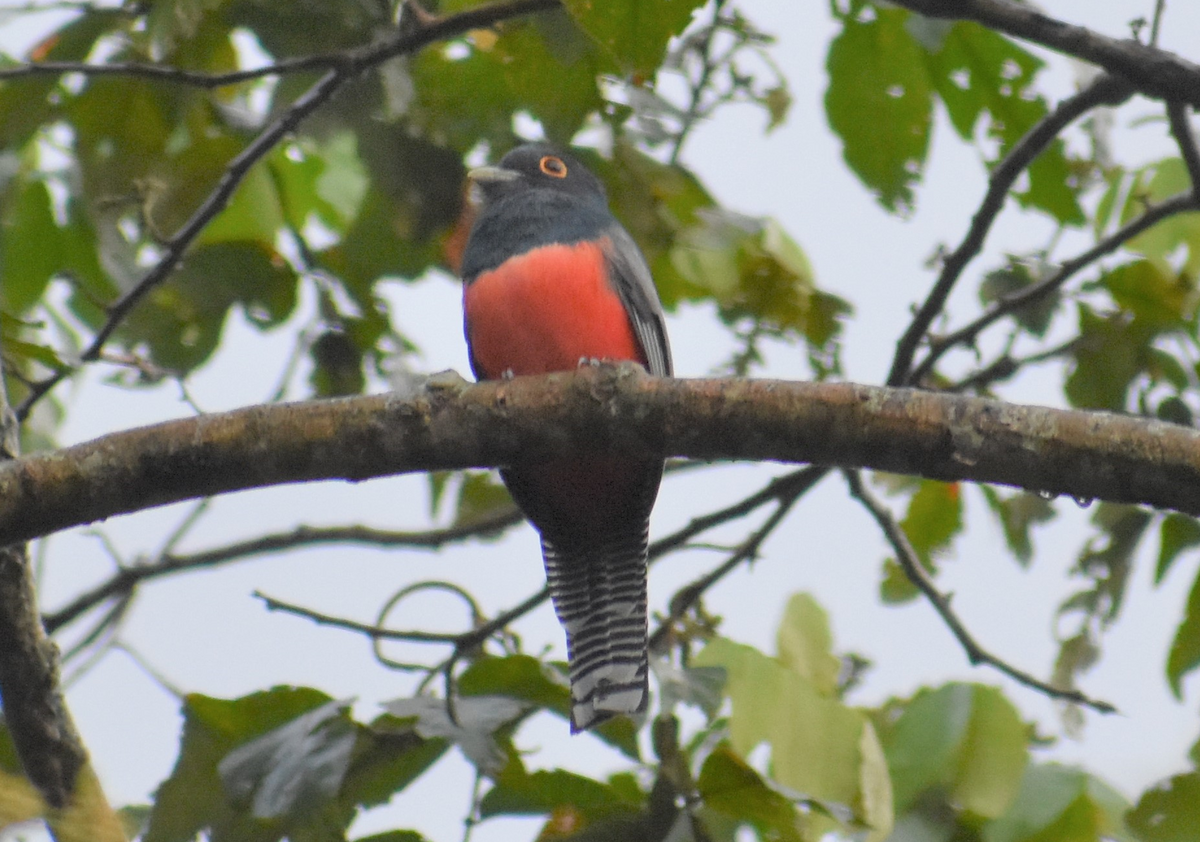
[(551, 281)]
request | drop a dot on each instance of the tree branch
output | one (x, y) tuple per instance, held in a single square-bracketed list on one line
[(1156, 73), (967, 334), (906, 556), (371, 631), (126, 579), (453, 424), (690, 594), (1105, 90), (349, 65), (1181, 129), (51, 753)]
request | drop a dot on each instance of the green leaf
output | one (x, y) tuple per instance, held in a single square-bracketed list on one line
[(1177, 534), (1168, 177), (1157, 299), (933, 518), (337, 366), (755, 271), (730, 786), (699, 686), (480, 496), (1184, 655), (393, 836), (388, 757), (520, 677), (192, 798), (29, 253), (977, 71), (466, 92), (122, 127), (806, 643), (966, 738), (29, 104), (295, 769), (1059, 803), (1016, 275), (528, 679), (1169, 812), (819, 747), (1108, 565), (634, 32), (171, 21), (879, 102), (473, 730), (323, 180), (1107, 358), (518, 792), (1018, 514), (254, 213), (180, 322)]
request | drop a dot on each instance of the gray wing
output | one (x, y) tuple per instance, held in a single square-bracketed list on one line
[(632, 278)]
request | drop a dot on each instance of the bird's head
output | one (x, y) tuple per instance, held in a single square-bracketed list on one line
[(536, 166)]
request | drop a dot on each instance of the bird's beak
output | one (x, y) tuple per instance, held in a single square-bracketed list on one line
[(492, 175)]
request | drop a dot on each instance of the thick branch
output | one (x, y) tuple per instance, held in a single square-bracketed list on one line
[(1154, 72), (48, 746), (452, 424)]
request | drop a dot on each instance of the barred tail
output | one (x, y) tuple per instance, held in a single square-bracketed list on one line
[(599, 594)]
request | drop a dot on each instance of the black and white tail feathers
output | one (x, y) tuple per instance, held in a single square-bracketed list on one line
[(599, 594)]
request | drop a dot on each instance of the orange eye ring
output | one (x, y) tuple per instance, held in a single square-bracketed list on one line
[(553, 166)]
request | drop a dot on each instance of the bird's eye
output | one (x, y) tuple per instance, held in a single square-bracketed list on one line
[(553, 166)]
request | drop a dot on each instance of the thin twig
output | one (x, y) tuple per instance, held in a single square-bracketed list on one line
[(1006, 366), (1181, 129), (1105, 90), (788, 488), (1160, 6), (691, 594), (128, 578), (692, 116), (176, 75), (999, 309), (372, 631), (906, 556)]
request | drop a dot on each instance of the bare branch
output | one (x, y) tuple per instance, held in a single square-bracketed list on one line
[(176, 75), (350, 64), (999, 309), (906, 556), (605, 408), (689, 595), (1105, 90), (48, 746), (1156, 73), (1006, 366), (786, 489), (125, 580), (1181, 129), (371, 631)]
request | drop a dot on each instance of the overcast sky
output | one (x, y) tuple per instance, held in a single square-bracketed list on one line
[(204, 633)]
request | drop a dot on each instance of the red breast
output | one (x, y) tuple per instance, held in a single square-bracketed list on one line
[(545, 310)]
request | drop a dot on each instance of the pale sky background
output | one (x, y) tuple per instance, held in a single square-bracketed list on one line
[(204, 633)]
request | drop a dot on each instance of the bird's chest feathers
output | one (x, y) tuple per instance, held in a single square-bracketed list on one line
[(546, 309)]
